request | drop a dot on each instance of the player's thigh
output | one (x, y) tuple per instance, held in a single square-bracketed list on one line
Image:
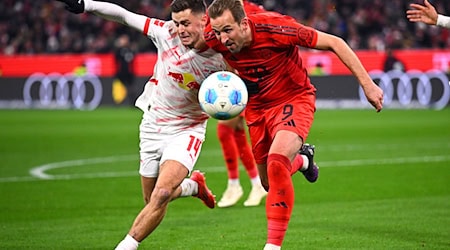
[(184, 148), (286, 143), (151, 149), (171, 174), (261, 141), (291, 124)]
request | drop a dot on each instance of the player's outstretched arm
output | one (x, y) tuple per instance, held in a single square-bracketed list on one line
[(333, 43), (109, 11)]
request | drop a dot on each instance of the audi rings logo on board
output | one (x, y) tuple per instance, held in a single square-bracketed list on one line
[(57, 90), (427, 89)]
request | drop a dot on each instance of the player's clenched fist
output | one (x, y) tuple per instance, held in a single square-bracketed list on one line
[(74, 6)]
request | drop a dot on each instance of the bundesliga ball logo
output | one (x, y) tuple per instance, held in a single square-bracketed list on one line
[(223, 95)]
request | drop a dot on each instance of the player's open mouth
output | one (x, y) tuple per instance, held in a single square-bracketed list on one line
[(184, 38), (230, 46)]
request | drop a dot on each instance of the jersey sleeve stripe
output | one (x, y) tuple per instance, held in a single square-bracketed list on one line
[(286, 30), (277, 32), (146, 26)]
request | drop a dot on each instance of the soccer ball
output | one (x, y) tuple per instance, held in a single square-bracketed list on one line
[(223, 95)]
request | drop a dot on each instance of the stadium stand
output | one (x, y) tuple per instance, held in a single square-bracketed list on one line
[(42, 26)]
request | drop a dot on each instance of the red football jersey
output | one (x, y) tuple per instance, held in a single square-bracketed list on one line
[(271, 66)]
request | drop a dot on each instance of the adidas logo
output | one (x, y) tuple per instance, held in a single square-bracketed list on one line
[(279, 204), (290, 123)]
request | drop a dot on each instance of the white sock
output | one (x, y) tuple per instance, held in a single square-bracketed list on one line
[(305, 163), (256, 181), (271, 247), (129, 243), (233, 182), (188, 188)]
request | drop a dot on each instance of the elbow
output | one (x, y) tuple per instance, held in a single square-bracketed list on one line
[(330, 42), (337, 43)]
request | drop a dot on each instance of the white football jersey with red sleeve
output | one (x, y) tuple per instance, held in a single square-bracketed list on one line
[(170, 96)]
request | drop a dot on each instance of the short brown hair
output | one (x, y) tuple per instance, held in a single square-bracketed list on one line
[(196, 6), (217, 8)]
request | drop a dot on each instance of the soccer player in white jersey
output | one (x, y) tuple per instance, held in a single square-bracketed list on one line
[(173, 125)]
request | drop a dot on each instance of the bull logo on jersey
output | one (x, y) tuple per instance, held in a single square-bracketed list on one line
[(186, 81)]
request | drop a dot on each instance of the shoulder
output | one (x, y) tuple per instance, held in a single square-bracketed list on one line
[(272, 27), (270, 16), (158, 24), (250, 7), (159, 28), (273, 24)]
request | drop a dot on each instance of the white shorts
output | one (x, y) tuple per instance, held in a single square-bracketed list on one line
[(155, 148)]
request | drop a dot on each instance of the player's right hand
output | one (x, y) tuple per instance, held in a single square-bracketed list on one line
[(74, 6)]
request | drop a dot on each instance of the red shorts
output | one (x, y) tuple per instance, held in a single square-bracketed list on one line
[(294, 115)]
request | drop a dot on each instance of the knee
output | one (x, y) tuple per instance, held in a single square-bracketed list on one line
[(161, 195)]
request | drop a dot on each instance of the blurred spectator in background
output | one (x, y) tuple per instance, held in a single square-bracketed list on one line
[(124, 56), (391, 62), (41, 26)]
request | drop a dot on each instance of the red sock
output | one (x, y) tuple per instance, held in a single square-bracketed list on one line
[(280, 199), (297, 164), (245, 153), (229, 149)]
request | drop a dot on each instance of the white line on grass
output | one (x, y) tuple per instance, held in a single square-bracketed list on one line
[(39, 172)]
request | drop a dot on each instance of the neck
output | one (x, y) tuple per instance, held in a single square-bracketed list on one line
[(200, 45)]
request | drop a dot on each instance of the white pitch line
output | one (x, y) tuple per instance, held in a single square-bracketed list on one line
[(38, 173)]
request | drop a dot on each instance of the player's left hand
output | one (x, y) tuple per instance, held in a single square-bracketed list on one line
[(74, 6), (374, 95)]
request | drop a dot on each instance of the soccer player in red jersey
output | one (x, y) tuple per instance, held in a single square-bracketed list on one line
[(263, 48)]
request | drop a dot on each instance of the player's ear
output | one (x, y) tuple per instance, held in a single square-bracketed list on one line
[(244, 23)]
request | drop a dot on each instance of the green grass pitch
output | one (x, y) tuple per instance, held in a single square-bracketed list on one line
[(384, 184)]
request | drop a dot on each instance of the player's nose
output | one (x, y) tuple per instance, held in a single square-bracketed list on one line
[(223, 38)]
